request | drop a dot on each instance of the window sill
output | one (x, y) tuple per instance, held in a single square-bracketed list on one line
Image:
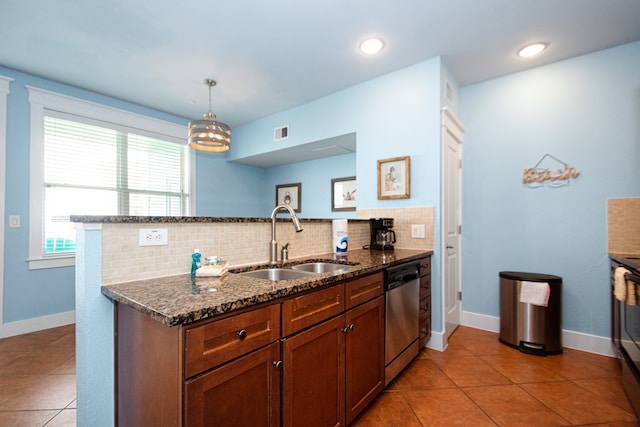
[(52, 262)]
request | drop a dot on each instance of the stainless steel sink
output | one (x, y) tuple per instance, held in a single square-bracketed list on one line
[(275, 274), (319, 267)]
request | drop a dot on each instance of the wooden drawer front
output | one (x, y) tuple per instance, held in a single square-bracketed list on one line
[(364, 289), (306, 310), (217, 342), (425, 266), (425, 286)]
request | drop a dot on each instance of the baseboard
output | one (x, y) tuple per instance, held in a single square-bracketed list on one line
[(570, 339), (37, 324), (436, 342)]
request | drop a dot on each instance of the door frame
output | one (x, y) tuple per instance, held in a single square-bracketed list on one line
[(4, 92), (451, 124)]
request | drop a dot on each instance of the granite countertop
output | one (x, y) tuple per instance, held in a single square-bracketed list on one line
[(182, 299), (125, 219)]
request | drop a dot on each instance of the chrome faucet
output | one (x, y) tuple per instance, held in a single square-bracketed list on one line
[(273, 250)]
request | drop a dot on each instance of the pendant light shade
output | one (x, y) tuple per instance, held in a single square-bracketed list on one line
[(209, 134)]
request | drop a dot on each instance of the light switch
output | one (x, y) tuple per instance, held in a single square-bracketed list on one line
[(14, 221), (417, 231)]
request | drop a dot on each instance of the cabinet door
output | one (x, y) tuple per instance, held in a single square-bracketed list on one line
[(245, 392), (313, 374), (364, 355)]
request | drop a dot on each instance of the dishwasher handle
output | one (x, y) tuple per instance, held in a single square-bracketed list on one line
[(402, 281)]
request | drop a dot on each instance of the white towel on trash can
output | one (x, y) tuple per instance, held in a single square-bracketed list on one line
[(536, 293)]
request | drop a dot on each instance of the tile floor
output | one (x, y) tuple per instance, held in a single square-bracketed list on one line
[(476, 382), (37, 379)]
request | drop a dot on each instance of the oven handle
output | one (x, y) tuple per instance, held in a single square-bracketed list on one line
[(633, 278)]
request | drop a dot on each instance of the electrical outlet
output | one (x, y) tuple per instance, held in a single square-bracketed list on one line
[(154, 237), (417, 231)]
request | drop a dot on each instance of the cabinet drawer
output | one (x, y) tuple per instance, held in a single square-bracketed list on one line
[(219, 341), (425, 286), (425, 266), (309, 309), (364, 289)]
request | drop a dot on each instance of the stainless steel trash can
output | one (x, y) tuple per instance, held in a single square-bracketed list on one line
[(532, 329)]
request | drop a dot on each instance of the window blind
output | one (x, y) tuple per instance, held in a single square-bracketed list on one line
[(90, 169)]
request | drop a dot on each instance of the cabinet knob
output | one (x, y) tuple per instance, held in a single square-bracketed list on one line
[(278, 364), (242, 334)]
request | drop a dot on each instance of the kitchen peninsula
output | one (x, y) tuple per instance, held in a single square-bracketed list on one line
[(159, 315)]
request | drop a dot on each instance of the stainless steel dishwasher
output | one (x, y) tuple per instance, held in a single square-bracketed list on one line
[(402, 292)]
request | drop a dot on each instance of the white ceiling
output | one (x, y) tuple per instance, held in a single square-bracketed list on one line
[(270, 55)]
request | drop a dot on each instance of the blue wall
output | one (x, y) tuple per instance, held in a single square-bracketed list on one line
[(28, 293), (397, 114), (584, 111)]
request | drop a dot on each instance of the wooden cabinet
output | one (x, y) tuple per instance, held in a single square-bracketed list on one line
[(224, 370), (334, 369), (245, 392), (315, 360), (364, 360), (425, 301), (313, 376)]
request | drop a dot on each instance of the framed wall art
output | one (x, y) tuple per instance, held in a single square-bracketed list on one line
[(289, 194), (394, 178), (343, 194)]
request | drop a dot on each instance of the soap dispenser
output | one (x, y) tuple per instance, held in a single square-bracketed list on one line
[(195, 261)]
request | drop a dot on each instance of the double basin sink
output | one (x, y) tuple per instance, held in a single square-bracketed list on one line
[(295, 271)]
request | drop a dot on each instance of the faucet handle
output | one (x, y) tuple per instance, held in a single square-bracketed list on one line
[(284, 253)]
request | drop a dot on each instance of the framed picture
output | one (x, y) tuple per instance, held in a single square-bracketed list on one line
[(289, 194), (343, 194), (394, 178)]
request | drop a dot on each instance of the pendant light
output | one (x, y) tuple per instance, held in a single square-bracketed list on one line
[(209, 134)]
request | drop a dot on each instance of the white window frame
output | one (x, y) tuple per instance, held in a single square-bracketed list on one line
[(42, 100)]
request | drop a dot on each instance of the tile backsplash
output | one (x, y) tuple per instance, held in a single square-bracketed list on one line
[(403, 218), (623, 226), (240, 243)]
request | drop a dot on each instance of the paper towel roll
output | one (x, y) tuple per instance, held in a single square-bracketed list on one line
[(340, 239)]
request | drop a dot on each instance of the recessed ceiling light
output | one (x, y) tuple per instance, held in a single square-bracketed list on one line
[(532, 49), (371, 46)]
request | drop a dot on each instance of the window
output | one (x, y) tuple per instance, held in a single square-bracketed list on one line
[(99, 161)]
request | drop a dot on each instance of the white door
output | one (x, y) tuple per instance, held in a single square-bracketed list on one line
[(452, 131)]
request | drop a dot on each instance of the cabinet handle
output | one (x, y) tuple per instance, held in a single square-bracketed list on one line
[(347, 328), (278, 364), (242, 334)]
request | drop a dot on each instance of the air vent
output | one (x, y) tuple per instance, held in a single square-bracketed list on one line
[(281, 133)]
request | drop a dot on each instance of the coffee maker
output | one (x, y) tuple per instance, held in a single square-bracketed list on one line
[(382, 235)]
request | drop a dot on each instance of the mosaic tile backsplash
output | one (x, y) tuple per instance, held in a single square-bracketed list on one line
[(623, 226), (239, 243)]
